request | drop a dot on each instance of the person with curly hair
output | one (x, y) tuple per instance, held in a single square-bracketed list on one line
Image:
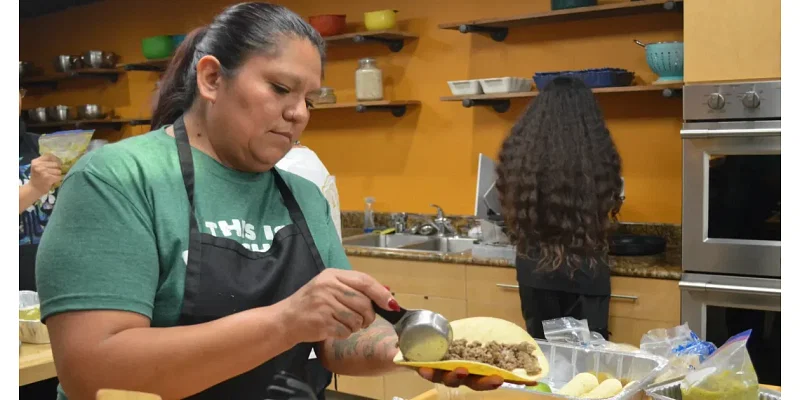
[(560, 190)]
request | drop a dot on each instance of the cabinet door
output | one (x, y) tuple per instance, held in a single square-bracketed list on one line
[(405, 384), (630, 330), (452, 309), (493, 292), (646, 299), (729, 40), (414, 277), (370, 387)]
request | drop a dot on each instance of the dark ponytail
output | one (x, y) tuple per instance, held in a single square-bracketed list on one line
[(235, 34), (176, 88)]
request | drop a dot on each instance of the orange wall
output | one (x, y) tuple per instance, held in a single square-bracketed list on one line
[(430, 155)]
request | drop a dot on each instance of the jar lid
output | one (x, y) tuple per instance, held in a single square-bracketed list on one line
[(366, 60)]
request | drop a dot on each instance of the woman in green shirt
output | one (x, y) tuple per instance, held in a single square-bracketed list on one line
[(181, 263)]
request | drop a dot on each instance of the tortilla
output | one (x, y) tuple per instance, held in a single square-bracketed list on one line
[(485, 330)]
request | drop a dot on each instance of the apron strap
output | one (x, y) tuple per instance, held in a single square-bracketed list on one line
[(193, 276), (296, 214)]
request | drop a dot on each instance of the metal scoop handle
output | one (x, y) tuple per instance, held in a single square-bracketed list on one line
[(392, 316)]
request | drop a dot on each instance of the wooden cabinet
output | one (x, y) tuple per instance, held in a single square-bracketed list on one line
[(638, 305), (458, 291), (371, 387), (493, 292), (730, 40)]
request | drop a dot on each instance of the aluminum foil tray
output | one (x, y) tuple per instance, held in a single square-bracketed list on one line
[(672, 391), (567, 360)]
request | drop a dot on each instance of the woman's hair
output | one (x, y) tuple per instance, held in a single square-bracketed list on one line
[(238, 32), (559, 178)]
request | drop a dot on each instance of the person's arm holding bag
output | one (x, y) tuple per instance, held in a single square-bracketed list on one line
[(45, 172)]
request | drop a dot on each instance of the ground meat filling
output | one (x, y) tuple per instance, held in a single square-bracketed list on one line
[(506, 356)]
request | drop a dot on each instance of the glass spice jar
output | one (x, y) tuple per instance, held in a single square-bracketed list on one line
[(326, 96), (369, 80)]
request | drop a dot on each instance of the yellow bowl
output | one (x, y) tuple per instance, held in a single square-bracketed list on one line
[(380, 20)]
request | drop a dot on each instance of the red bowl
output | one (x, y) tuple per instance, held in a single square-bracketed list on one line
[(328, 25)]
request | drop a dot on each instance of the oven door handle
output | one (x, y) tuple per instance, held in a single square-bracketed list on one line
[(700, 133), (729, 288)]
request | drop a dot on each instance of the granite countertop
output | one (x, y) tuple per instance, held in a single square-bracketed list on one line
[(661, 266)]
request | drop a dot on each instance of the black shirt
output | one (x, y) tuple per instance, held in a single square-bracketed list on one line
[(33, 220), (594, 281)]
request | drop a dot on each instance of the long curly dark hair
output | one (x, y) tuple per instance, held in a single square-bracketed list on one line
[(559, 178)]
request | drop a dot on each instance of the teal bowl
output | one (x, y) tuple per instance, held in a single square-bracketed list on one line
[(666, 60), (177, 40)]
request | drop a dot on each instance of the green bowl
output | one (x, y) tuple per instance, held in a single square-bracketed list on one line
[(157, 47)]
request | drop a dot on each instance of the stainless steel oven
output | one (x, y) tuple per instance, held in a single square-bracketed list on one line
[(731, 216)]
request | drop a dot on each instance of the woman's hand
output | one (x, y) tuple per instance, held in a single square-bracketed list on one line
[(335, 304), (461, 377), (45, 173)]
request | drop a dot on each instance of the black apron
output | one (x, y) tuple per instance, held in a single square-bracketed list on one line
[(223, 278)]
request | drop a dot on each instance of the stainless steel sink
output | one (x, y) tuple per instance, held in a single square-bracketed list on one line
[(383, 241), (435, 244)]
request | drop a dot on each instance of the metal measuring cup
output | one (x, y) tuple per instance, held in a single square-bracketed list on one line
[(423, 335)]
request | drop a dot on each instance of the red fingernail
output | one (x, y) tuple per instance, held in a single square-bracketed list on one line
[(387, 288), (393, 305)]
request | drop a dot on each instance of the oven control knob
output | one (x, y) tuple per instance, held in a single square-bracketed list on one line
[(751, 100), (716, 101)]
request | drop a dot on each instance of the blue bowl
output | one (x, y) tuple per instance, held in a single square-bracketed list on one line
[(177, 40), (666, 60)]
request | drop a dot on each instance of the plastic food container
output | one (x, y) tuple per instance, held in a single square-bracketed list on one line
[(568, 360), (31, 331), (593, 78), (464, 88), (672, 391), (505, 85)]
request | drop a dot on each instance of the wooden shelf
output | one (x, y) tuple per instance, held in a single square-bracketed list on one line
[(113, 123), (395, 40), (497, 28), (110, 74), (397, 108), (148, 65), (501, 102)]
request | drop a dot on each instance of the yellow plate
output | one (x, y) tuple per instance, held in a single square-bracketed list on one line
[(485, 330)]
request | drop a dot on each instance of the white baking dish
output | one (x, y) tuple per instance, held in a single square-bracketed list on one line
[(465, 88), (506, 84)]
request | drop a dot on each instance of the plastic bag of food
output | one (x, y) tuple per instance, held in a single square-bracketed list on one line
[(726, 374), (68, 146), (682, 347)]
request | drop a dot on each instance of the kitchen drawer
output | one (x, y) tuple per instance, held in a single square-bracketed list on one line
[(493, 292), (415, 277), (645, 299), (630, 330), (364, 386), (452, 309), (405, 384)]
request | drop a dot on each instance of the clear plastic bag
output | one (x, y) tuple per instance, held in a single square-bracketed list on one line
[(68, 146), (573, 331), (726, 374), (682, 347)]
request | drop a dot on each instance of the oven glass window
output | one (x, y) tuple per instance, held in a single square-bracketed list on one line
[(744, 197), (764, 345)]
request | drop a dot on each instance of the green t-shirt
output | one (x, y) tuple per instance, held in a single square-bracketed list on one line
[(118, 237)]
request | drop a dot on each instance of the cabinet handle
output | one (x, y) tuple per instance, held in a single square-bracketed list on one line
[(624, 297), (507, 286)]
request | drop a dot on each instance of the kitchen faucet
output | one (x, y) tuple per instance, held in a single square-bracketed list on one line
[(440, 226)]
